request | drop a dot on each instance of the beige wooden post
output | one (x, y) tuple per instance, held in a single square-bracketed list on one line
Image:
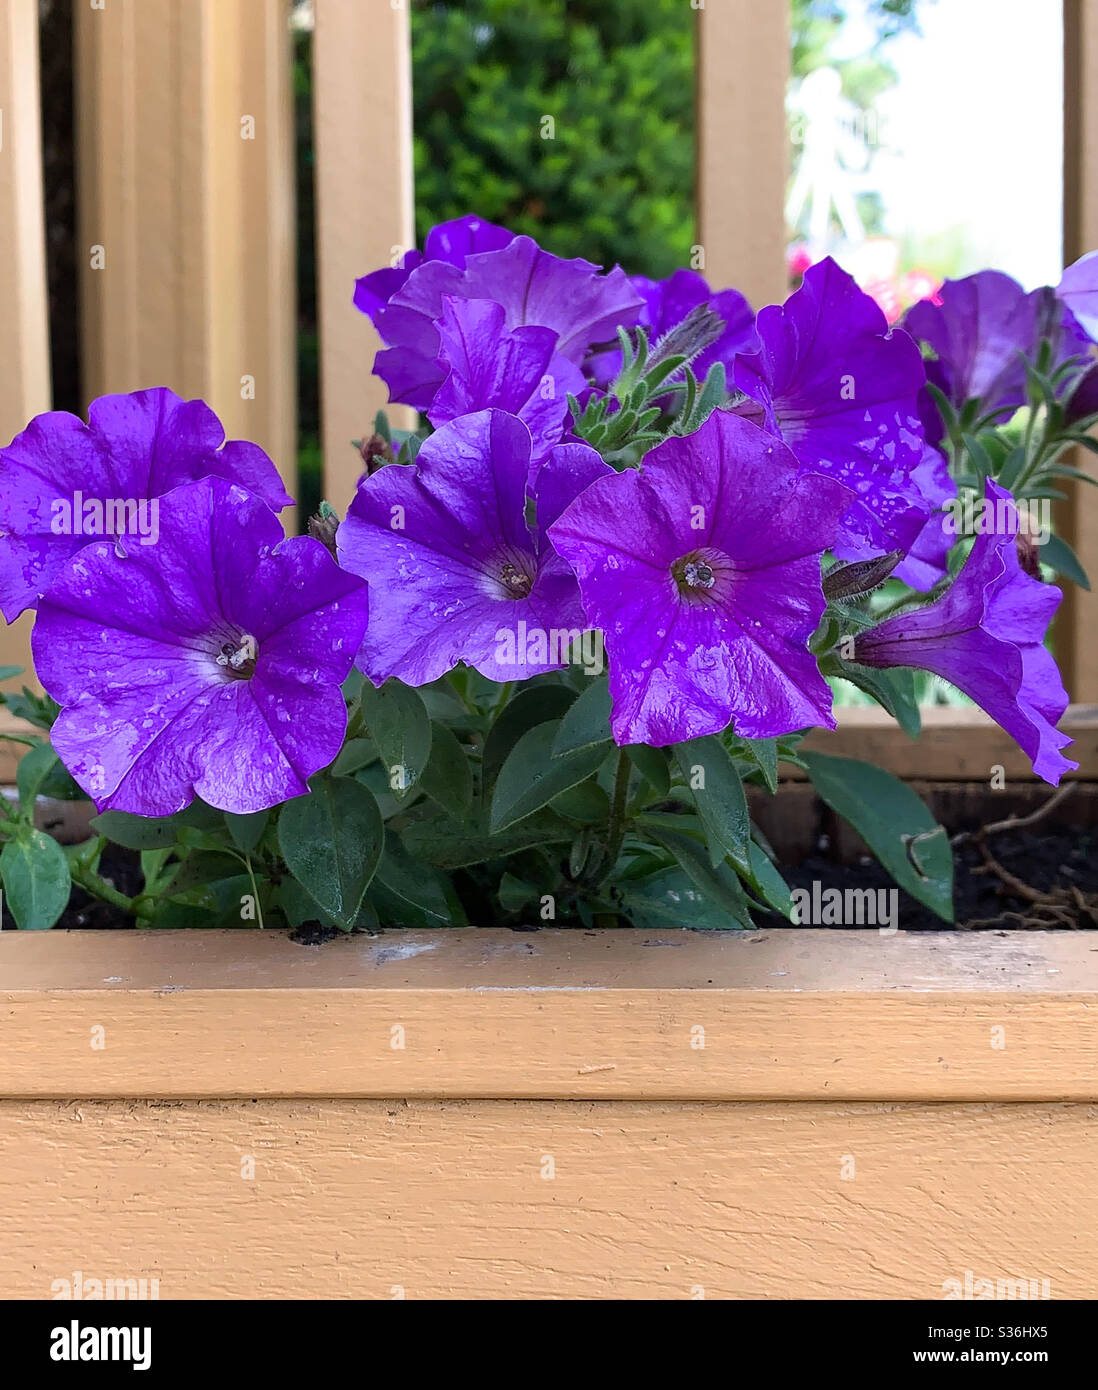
[(24, 340), (1077, 625), (742, 73), (363, 124), (185, 163)]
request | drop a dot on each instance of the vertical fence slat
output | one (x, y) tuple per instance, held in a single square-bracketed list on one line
[(195, 221), (24, 340), (363, 124), (742, 74), (1078, 620)]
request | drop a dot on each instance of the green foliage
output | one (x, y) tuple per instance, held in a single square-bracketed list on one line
[(894, 822), (35, 875), (517, 807), (615, 183), (331, 841)]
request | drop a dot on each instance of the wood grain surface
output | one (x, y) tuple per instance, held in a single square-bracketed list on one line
[(497, 1199), (771, 1015)]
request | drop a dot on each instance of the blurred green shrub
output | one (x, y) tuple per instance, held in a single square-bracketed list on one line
[(571, 122)]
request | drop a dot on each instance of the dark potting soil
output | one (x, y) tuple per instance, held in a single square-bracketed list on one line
[(1058, 864)]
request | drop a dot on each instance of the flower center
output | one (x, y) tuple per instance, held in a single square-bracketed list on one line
[(696, 574), (238, 658), (516, 582)]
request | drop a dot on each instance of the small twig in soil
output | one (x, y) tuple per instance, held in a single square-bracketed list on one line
[(1059, 907), (1016, 822)]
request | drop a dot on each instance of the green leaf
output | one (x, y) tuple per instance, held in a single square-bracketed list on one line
[(893, 689), (1086, 441), (514, 893), (448, 778), (717, 884), (1058, 555), (331, 841), (355, 754), (1064, 470), (530, 707), (653, 766), (36, 879), (699, 405), (668, 898), (894, 822), (153, 864), (247, 831), (587, 722), (767, 882), (439, 839), (1009, 470), (720, 799), (39, 710), (137, 832), (413, 894), (531, 776), (8, 673), (978, 454), (59, 785), (299, 907), (218, 902), (204, 865), (764, 753), (586, 803), (399, 725), (34, 767)]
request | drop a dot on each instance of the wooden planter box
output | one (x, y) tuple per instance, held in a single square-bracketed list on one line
[(552, 1114)]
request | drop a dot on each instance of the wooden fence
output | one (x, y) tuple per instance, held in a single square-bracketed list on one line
[(184, 158)]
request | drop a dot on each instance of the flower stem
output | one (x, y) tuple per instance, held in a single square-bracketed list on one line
[(615, 825), (98, 887)]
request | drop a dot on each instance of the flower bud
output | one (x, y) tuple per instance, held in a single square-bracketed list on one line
[(376, 451), (323, 526)]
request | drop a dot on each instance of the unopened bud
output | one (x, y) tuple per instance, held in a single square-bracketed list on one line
[(376, 453), (861, 577), (323, 527), (698, 330), (1028, 554)]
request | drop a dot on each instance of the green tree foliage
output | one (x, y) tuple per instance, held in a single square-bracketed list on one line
[(615, 183)]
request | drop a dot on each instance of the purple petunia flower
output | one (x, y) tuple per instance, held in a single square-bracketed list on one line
[(667, 303), (979, 332), (449, 241), (1078, 289), (985, 635), (703, 569), (519, 371), (927, 561), (208, 664), (581, 305), (64, 484), (458, 573), (842, 391)]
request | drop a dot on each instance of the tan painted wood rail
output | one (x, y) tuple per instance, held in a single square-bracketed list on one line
[(772, 1015)]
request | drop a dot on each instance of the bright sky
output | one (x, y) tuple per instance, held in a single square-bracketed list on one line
[(971, 135)]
